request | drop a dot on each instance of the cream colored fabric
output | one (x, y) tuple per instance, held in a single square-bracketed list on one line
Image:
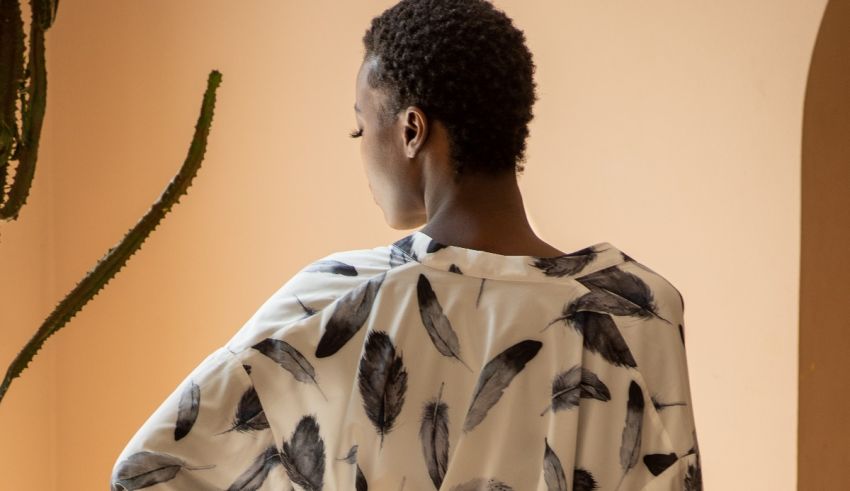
[(422, 366)]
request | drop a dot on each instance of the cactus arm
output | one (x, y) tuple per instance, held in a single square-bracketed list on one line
[(11, 78), (117, 256), (32, 112)]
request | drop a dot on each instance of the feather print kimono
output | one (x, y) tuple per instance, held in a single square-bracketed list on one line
[(423, 366)]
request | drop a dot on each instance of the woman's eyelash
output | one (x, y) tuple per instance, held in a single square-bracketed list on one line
[(355, 133)]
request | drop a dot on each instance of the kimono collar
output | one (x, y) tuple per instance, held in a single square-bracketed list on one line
[(420, 247)]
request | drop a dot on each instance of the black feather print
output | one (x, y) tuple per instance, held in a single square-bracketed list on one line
[(434, 437), (645, 267), (332, 266), (693, 479), (250, 415), (436, 323), (349, 315), (480, 289), (143, 469), (481, 484), (659, 462), (566, 264), (661, 405), (600, 335), (601, 315), (290, 359), (434, 246), (351, 457), (382, 380), (583, 480), (553, 471), (401, 251), (625, 286), (496, 375), (255, 475), (604, 301), (632, 429), (187, 409), (303, 456), (360, 483), (308, 311), (577, 382)]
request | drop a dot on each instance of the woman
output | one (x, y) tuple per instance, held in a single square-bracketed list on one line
[(468, 354)]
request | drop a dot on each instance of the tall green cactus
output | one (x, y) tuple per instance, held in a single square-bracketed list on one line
[(29, 87)]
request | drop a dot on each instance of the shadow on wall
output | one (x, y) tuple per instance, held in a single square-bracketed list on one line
[(824, 367)]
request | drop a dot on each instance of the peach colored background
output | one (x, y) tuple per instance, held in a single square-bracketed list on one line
[(671, 129)]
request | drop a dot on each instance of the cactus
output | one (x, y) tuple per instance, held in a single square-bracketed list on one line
[(29, 86)]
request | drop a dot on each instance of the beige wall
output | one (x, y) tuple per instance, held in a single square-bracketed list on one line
[(671, 129)]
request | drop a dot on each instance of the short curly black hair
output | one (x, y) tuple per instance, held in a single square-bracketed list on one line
[(465, 64)]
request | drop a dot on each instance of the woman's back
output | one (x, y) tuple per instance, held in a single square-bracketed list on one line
[(423, 366)]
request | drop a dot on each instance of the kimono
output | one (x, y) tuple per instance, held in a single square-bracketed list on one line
[(425, 366)]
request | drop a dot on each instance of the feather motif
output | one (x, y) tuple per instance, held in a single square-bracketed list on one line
[(143, 469), (308, 311), (565, 264), (480, 290), (351, 457), (583, 480), (250, 415), (693, 479), (434, 246), (628, 293), (436, 323), (402, 251), (255, 475), (600, 335), (349, 315), (187, 409), (569, 386), (360, 483), (290, 359), (553, 472), (495, 377), (630, 445), (303, 455), (604, 301), (480, 484), (658, 462), (434, 436), (661, 405), (331, 266), (382, 379)]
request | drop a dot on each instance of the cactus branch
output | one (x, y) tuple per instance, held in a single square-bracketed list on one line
[(117, 256)]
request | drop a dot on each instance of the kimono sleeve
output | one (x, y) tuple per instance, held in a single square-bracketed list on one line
[(211, 433), (316, 286)]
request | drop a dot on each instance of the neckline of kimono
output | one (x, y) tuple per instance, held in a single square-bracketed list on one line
[(419, 246)]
